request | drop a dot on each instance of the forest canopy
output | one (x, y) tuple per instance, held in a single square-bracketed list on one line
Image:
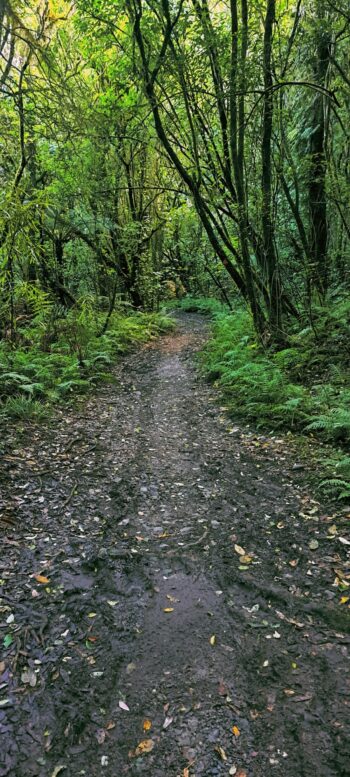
[(152, 149), (154, 143)]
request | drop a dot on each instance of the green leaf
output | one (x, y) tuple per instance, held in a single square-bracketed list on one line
[(8, 639)]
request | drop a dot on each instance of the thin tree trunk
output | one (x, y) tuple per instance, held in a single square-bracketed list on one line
[(318, 164), (268, 231)]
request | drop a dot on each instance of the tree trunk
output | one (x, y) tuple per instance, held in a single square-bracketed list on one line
[(268, 231), (318, 162)]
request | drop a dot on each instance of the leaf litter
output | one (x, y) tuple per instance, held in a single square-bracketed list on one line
[(89, 621)]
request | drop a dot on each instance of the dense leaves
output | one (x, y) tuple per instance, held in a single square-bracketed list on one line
[(151, 150)]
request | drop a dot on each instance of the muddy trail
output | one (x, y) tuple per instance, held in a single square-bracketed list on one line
[(171, 589)]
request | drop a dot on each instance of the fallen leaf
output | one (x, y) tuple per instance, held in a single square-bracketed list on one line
[(147, 725), (233, 770), (186, 772), (303, 697), (344, 541), (124, 706), (239, 550), (222, 689), (100, 735), (111, 603), (241, 773), (294, 562), (110, 725), (168, 609), (168, 721), (344, 599), (8, 639), (172, 598), (29, 677), (221, 752), (42, 579), (212, 639), (332, 530), (146, 746), (92, 614), (313, 544), (57, 770), (236, 731), (245, 559)]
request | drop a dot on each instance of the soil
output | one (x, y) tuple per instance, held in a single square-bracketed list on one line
[(173, 593)]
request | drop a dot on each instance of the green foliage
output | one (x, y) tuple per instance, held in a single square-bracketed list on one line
[(255, 384), (25, 409), (261, 387), (335, 424), (207, 305), (31, 376), (338, 481)]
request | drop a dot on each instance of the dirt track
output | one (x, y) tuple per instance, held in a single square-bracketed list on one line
[(135, 509)]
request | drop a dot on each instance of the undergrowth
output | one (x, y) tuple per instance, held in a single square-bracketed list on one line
[(303, 388), (58, 356), (206, 305)]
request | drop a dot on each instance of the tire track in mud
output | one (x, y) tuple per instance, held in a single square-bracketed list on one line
[(239, 673)]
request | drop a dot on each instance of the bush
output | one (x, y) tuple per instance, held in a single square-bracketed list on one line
[(207, 305)]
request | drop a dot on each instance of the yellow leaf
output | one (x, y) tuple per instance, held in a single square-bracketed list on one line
[(245, 559), (239, 550), (344, 599), (41, 579), (221, 752), (92, 614), (212, 639), (236, 731), (146, 746), (57, 770), (168, 609), (147, 725)]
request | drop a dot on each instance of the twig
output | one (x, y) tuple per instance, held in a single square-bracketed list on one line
[(73, 491), (196, 542), (73, 442)]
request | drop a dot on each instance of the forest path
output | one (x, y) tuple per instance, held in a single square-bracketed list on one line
[(145, 628)]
